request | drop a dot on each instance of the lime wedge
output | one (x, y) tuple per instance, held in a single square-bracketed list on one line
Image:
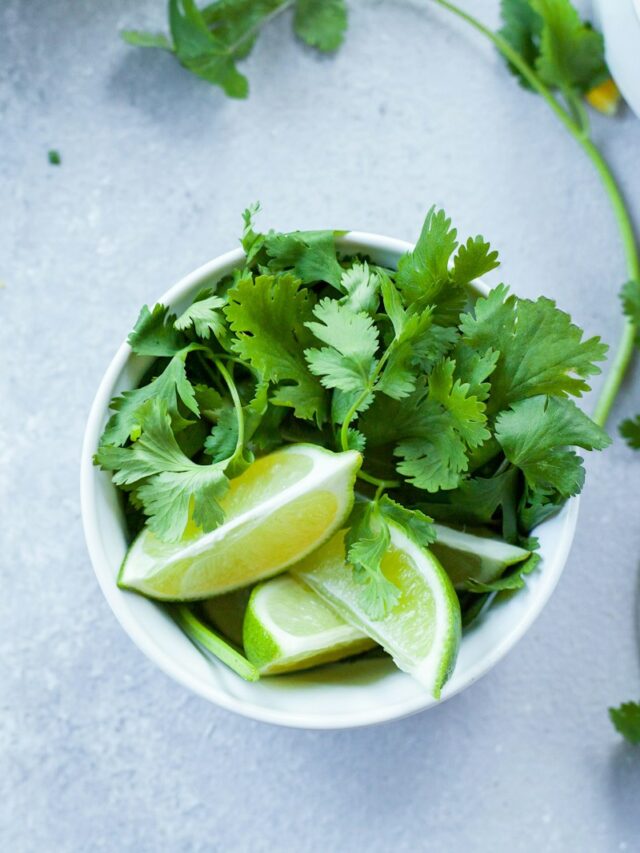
[(422, 631), (288, 627), (280, 509), (465, 556)]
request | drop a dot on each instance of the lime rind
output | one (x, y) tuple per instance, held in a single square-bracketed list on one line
[(273, 649), (467, 556)]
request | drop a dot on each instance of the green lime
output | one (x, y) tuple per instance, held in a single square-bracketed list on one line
[(288, 627), (281, 508), (421, 631)]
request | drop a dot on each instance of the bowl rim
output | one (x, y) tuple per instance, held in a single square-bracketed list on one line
[(351, 241)]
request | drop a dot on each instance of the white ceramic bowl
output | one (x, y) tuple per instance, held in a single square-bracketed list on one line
[(339, 696)]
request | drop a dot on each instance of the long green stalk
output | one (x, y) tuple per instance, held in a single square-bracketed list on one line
[(624, 354)]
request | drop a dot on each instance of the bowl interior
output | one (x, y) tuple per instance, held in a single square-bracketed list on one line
[(342, 695)]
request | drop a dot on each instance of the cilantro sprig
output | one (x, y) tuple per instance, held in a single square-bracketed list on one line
[(210, 40), (459, 403)]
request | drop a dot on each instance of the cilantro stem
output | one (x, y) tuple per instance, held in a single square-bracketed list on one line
[(237, 404), (576, 127), (376, 481), (251, 32)]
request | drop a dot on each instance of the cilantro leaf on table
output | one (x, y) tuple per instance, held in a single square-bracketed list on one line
[(321, 23), (567, 53), (170, 486), (630, 296), (571, 52), (630, 430), (535, 434), (268, 314), (541, 350), (626, 720)]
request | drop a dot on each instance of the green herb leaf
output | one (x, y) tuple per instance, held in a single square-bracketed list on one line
[(321, 23), (362, 288), (204, 315), (174, 489), (630, 430), (473, 260), (311, 255), (626, 720), (534, 435), (423, 274), (367, 543), (571, 52), (349, 359), (631, 303), (541, 351), (155, 333), (269, 316), (418, 525)]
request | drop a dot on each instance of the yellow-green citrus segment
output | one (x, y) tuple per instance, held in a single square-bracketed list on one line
[(422, 631), (288, 627), (280, 509), (466, 556)]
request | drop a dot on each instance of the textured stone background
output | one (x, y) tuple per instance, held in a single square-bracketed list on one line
[(98, 749)]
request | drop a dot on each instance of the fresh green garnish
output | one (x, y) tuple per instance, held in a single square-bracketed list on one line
[(626, 719), (459, 404), (210, 40), (54, 157)]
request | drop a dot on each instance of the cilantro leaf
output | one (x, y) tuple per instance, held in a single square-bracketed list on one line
[(534, 435), (155, 333), (349, 359), (361, 286), (631, 303), (367, 543), (321, 23), (475, 368), (473, 260), (221, 443), (521, 28), (630, 430), (311, 255), (571, 52), (443, 424), (170, 387), (173, 488), (541, 351), (424, 273), (252, 241), (512, 580), (202, 52), (418, 525), (626, 720), (204, 315), (268, 314)]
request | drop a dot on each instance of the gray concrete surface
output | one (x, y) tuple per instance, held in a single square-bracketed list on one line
[(98, 749)]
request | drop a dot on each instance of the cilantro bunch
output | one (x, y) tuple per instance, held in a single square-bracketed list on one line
[(460, 403)]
